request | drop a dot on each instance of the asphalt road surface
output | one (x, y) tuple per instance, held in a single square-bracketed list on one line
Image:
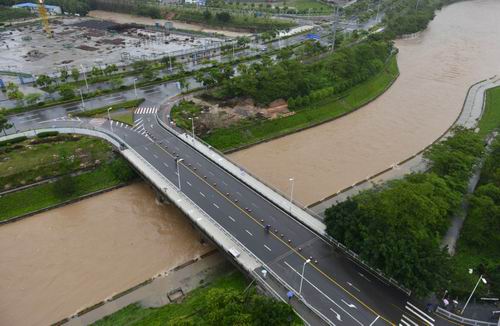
[(342, 291)]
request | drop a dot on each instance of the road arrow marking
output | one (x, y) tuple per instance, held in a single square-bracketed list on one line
[(337, 314), (350, 305)]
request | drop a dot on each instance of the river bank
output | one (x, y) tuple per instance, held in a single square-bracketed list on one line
[(436, 70), (69, 258)]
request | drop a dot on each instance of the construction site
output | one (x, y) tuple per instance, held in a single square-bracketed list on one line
[(87, 42)]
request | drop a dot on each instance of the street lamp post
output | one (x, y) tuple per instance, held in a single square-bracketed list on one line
[(302, 275), (81, 96), (481, 279), (85, 77), (292, 181), (192, 127), (135, 89), (109, 118), (179, 172)]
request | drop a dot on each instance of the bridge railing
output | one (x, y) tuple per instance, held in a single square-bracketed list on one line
[(463, 320)]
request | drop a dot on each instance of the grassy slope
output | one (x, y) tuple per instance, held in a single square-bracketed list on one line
[(491, 116), (250, 133), (135, 315), (25, 201), (34, 160)]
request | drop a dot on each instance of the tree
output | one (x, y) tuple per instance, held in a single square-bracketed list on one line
[(75, 74), (223, 17), (4, 122), (44, 80), (96, 72), (67, 91), (116, 82), (63, 75), (207, 15), (32, 98), (121, 170), (13, 93), (110, 69), (149, 73)]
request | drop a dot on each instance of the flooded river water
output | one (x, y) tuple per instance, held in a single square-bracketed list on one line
[(460, 47), (58, 262)]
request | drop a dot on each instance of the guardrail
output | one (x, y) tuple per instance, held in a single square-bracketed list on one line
[(298, 206), (463, 320)]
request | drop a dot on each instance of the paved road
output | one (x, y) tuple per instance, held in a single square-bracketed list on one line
[(343, 292)]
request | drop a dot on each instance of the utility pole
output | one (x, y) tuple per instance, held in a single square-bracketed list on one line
[(418, 3), (335, 27)]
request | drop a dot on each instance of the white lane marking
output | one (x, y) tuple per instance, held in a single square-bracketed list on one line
[(197, 163), (419, 316), (225, 184), (337, 315), (165, 164), (404, 323), (215, 205), (156, 156), (210, 172), (363, 276), (146, 148), (189, 183), (373, 322), (417, 309), (249, 232), (167, 141), (409, 320), (317, 289), (187, 156), (267, 248), (231, 218), (202, 194), (255, 205), (355, 288), (350, 305), (177, 148), (238, 193), (143, 133)]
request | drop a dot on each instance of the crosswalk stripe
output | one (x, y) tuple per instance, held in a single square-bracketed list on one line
[(419, 316), (424, 315), (409, 320)]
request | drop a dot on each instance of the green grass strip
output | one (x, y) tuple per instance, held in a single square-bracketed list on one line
[(249, 133), (43, 196), (104, 109), (491, 116)]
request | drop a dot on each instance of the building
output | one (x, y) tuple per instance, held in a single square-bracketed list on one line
[(33, 7), (196, 2)]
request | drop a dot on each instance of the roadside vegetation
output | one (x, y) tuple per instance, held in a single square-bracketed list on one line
[(9, 14), (398, 227), (97, 112), (479, 244), (317, 92), (182, 112), (222, 302)]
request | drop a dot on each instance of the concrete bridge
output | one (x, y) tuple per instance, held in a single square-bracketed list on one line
[(231, 207)]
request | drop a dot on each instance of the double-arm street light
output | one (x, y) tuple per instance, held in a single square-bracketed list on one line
[(135, 89), (481, 279), (109, 118), (85, 77)]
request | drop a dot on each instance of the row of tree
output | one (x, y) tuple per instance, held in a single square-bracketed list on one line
[(398, 227), (479, 243), (267, 80)]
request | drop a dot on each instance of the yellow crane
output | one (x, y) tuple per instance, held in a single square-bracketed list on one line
[(44, 17)]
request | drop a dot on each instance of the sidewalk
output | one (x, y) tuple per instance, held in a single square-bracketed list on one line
[(469, 116)]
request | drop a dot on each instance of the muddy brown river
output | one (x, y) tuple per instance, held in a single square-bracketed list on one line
[(56, 263), (460, 47)]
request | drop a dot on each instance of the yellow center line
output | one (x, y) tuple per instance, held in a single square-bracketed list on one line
[(277, 237)]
